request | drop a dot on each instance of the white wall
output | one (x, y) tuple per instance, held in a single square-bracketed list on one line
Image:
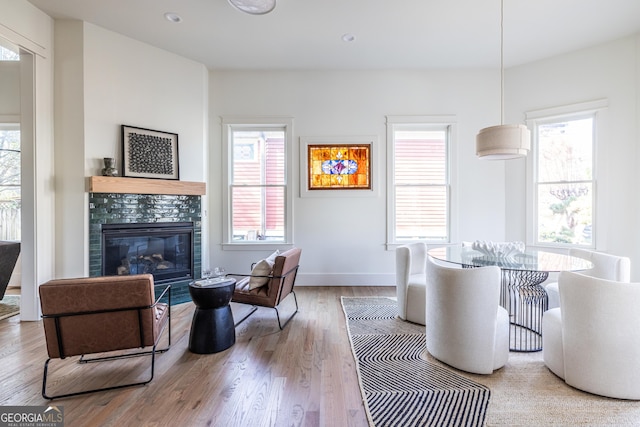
[(343, 239), (105, 80), (70, 150), (608, 71)]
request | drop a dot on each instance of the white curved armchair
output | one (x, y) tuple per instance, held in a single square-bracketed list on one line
[(466, 327), (411, 281), (592, 340), (605, 266)]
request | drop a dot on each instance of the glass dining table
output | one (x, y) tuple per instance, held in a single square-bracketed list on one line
[(521, 293)]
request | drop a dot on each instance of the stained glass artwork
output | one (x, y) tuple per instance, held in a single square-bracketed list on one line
[(339, 167)]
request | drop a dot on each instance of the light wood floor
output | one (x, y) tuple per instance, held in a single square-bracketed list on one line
[(302, 376)]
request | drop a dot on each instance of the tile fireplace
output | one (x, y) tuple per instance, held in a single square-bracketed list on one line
[(146, 233)]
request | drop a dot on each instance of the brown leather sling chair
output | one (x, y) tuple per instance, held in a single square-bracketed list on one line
[(103, 314)]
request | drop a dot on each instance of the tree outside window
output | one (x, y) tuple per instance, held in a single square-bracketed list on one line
[(565, 181)]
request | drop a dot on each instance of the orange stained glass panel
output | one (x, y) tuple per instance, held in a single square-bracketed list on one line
[(343, 166)]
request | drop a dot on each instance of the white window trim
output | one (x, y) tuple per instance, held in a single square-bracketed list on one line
[(229, 122), (446, 120), (535, 117)]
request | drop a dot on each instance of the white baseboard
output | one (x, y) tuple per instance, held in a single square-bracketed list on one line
[(350, 279)]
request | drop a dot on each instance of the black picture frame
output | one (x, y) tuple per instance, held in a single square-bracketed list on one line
[(148, 153)]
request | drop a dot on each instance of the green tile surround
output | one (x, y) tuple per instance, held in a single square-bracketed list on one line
[(116, 208)]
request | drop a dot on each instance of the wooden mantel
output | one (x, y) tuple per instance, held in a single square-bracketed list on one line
[(111, 184)]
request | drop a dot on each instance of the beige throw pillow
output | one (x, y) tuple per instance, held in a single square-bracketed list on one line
[(262, 268)]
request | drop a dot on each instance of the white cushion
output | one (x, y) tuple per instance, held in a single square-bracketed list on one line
[(552, 351), (411, 281), (553, 295), (262, 268), (500, 356), (415, 299)]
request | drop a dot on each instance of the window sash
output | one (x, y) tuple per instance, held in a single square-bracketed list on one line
[(564, 181), (258, 213), (265, 221), (421, 208), (421, 212)]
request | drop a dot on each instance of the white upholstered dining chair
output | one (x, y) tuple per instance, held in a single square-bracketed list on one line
[(411, 281), (592, 340), (605, 266), (465, 326)]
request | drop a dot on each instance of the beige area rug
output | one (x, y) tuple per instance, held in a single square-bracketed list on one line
[(9, 306), (525, 393)]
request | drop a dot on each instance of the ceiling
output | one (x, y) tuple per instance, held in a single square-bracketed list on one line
[(389, 34)]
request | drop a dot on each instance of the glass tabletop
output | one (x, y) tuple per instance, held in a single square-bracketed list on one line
[(532, 259)]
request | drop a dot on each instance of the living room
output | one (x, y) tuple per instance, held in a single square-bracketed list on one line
[(98, 80), (123, 81)]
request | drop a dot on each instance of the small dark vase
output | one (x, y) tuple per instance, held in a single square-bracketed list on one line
[(109, 167)]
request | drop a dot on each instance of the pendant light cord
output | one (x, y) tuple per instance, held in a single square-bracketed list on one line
[(501, 62)]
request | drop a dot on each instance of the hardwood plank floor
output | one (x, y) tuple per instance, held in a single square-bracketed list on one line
[(302, 376)]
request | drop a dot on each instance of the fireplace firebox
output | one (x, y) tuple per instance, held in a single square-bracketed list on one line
[(162, 249)]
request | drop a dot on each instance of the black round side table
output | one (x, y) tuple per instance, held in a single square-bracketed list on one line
[(212, 327)]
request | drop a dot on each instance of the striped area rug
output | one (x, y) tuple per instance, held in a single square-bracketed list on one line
[(400, 387)]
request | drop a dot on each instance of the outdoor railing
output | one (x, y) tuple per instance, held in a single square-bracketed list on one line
[(10, 222)]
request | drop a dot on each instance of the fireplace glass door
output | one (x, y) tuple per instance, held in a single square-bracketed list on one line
[(162, 249)]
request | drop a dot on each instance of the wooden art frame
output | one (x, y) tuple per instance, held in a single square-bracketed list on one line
[(336, 166), (339, 166), (148, 153)]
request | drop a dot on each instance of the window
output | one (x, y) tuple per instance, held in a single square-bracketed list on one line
[(10, 198), (419, 194), (258, 193), (564, 180), (7, 54)]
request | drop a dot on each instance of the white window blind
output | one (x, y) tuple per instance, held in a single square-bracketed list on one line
[(421, 184)]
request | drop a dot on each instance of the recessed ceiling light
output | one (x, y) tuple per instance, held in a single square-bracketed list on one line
[(172, 17), (348, 37)]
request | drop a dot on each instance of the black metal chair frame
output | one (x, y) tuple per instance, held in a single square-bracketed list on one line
[(151, 352), (254, 308)]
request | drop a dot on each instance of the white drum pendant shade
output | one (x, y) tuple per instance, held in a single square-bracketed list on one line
[(503, 142)]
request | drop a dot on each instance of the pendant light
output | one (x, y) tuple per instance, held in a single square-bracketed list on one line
[(254, 7), (504, 141)]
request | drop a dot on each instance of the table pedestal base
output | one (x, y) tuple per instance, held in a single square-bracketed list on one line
[(212, 330), (212, 327), (525, 300)]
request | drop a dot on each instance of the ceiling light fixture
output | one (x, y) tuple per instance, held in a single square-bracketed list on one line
[(505, 141), (172, 17), (254, 7), (348, 37)]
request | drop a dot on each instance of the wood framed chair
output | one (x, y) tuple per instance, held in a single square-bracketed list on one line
[(84, 316), (279, 284)]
